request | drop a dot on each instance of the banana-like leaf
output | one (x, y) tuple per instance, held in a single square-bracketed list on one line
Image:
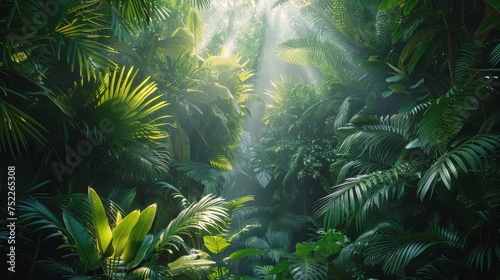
[(142, 251), (139, 232), (188, 262), (122, 231), (84, 244), (246, 253), (100, 220)]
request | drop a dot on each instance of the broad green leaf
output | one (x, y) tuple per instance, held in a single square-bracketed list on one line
[(143, 249), (138, 233), (329, 244), (221, 63), (216, 244), (409, 6), (122, 231), (389, 4), (180, 143), (189, 262), (387, 93), (488, 24), (303, 249), (279, 267), (217, 273), (394, 78), (246, 253), (83, 242), (315, 267), (100, 220), (397, 88)]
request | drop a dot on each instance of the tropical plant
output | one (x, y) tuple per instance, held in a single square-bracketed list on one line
[(395, 173), (116, 247)]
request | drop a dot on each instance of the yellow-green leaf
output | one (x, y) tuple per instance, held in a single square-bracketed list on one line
[(139, 232), (100, 221), (216, 244), (122, 231)]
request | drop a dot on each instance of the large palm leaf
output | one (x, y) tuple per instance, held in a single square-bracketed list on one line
[(445, 117), (358, 197), (395, 248), (205, 214), (469, 157)]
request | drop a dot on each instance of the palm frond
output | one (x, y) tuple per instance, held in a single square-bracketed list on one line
[(467, 55), (35, 213), (138, 163), (200, 4), (149, 272), (19, 125), (134, 12), (347, 198), (445, 117), (494, 58), (192, 264), (441, 268), (207, 213), (469, 157), (483, 255), (275, 243), (390, 244), (384, 142), (329, 58), (131, 111), (346, 111), (56, 269), (82, 49), (200, 172)]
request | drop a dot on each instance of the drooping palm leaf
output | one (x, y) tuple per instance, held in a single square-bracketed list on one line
[(347, 198), (445, 117), (469, 157)]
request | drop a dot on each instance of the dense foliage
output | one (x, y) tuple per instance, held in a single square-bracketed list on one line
[(122, 124)]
